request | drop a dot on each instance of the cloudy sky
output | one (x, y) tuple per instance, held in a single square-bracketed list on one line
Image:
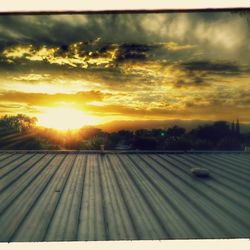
[(127, 66)]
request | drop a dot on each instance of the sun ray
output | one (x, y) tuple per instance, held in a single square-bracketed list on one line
[(61, 118)]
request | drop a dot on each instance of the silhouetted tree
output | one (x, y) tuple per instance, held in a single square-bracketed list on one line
[(201, 144), (89, 132), (233, 128), (229, 143), (237, 127), (145, 143), (142, 132), (246, 139), (213, 133), (176, 131), (19, 132), (33, 144), (95, 143), (181, 143), (159, 133), (125, 134), (19, 123)]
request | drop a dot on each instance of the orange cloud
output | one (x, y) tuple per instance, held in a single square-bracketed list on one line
[(43, 99)]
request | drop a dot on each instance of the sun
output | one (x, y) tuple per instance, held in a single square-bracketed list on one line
[(65, 118)]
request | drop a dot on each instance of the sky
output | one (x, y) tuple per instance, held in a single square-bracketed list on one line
[(144, 66)]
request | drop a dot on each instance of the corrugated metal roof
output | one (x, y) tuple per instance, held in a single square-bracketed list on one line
[(53, 196)]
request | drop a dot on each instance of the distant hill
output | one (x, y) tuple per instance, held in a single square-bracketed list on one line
[(163, 124)]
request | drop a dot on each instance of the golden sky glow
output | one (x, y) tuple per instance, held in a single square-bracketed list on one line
[(65, 118), (100, 68)]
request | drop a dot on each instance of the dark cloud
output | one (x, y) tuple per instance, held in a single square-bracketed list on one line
[(134, 51), (191, 81), (179, 55), (203, 29), (87, 53), (53, 29), (225, 68)]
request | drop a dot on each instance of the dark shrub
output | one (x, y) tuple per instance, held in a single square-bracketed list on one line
[(177, 144), (145, 143), (228, 143)]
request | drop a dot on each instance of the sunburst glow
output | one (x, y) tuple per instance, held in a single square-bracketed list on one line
[(65, 118)]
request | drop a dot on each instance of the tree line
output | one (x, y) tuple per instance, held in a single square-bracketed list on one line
[(21, 132)]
